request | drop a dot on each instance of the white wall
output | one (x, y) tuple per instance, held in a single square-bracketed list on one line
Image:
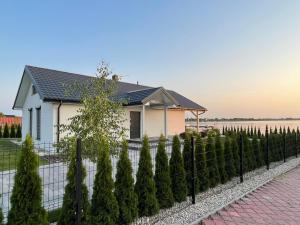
[(33, 102)]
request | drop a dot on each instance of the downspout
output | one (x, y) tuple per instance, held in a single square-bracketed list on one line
[(58, 121)]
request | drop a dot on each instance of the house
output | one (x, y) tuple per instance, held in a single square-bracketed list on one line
[(10, 120), (149, 110)]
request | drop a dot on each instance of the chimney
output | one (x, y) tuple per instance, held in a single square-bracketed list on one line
[(115, 77)]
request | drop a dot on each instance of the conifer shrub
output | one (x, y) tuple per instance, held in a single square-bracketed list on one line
[(212, 163), (162, 177), (235, 153), (67, 214), (124, 188), (0, 131), (221, 160), (104, 207), (1, 217), (257, 152), (6, 131), (12, 131), (26, 198), (145, 185), (177, 172), (187, 162), (247, 153), (19, 131), (229, 160), (201, 167)]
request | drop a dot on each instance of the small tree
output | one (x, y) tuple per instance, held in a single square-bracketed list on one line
[(6, 131), (26, 199), (12, 131), (124, 188), (104, 208), (162, 177), (212, 163), (229, 160), (201, 167), (235, 153), (221, 159), (145, 185), (69, 206), (19, 131), (177, 172), (0, 131), (1, 217), (257, 152)]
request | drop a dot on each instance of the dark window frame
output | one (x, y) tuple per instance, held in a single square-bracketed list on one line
[(38, 123), (30, 121)]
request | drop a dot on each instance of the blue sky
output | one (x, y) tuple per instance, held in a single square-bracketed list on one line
[(237, 58)]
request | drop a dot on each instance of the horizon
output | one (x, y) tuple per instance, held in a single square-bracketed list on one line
[(237, 59)]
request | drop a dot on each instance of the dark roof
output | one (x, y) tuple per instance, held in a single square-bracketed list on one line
[(51, 85)]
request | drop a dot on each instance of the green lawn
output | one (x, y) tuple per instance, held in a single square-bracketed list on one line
[(9, 155)]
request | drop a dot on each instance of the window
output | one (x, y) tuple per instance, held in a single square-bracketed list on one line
[(30, 122), (38, 123), (33, 90)]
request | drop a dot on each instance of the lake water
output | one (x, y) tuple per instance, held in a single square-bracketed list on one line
[(293, 124)]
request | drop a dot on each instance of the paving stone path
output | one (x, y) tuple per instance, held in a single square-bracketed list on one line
[(275, 203)]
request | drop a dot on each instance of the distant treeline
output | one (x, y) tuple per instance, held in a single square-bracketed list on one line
[(240, 119)]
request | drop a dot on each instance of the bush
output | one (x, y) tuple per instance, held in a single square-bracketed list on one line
[(145, 185), (221, 159), (257, 152), (12, 131), (1, 217), (162, 177), (124, 188), (248, 154), (201, 168), (235, 153), (104, 208), (229, 161), (26, 198), (54, 215), (188, 164), (212, 163), (69, 206), (0, 131), (5, 131), (177, 172), (19, 131)]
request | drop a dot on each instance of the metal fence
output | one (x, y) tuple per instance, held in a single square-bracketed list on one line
[(53, 167)]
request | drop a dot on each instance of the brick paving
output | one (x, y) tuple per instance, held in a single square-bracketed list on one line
[(276, 203)]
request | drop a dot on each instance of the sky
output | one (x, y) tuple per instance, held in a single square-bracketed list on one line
[(236, 58)]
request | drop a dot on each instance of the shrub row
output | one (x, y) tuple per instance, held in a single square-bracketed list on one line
[(14, 131)]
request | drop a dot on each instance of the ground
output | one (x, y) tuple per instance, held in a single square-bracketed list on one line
[(276, 203)]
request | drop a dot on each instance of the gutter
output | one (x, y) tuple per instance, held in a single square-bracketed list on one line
[(58, 122)]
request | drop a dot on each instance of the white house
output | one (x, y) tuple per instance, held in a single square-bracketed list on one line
[(42, 98)]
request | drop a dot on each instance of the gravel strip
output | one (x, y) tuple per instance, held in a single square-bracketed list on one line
[(215, 199)]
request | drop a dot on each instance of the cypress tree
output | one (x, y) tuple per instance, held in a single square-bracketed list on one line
[(26, 198), (104, 208), (212, 163), (162, 177), (235, 153), (229, 161), (19, 131), (12, 131), (247, 153), (201, 167), (221, 159), (257, 152), (145, 185), (124, 188), (187, 161), (6, 131), (0, 131), (1, 217), (68, 210), (177, 172)]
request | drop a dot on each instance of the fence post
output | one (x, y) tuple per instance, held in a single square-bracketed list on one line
[(241, 148), (78, 182), (193, 170), (267, 148), (284, 147), (296, 144)]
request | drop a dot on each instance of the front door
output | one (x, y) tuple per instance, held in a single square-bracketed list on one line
[(135, 124)]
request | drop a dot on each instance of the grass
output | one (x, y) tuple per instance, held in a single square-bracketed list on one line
[(10, 154)]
